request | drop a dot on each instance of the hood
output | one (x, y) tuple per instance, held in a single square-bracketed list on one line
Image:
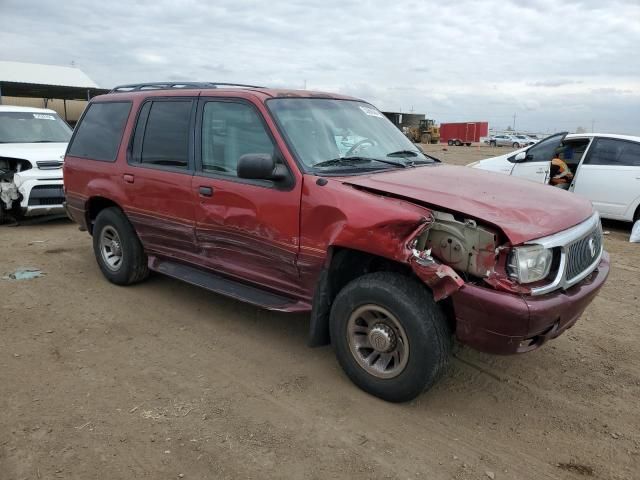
[(523, 210), (34, 151)]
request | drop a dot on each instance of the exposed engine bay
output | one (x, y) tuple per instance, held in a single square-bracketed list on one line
[(463, 245)]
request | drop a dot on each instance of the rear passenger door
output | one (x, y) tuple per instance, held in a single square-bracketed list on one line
[(610, 177), (157, 177), (245, 228)]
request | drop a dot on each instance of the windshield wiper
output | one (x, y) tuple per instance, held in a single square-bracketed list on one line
[(356, 160), (403, 153), (413, 153)]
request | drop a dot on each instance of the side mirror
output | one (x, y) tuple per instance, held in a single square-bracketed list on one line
[(520, 157), (260, 166)]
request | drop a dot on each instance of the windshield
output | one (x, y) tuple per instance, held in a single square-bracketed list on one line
[(29, 127), (325, 133)]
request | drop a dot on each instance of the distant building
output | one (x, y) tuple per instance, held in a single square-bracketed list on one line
[(63, 89)]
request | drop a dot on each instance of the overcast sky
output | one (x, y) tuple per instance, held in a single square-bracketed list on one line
[(556, 65)]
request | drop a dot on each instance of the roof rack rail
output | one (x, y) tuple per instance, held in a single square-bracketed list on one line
[(137, 87)]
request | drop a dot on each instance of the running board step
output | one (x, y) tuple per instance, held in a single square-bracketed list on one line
[(227, 286)]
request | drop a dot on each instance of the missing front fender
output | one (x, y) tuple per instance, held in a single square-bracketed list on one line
[(441, 279)]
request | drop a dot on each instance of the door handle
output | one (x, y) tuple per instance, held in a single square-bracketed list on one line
[(128, 178), (206, 191)]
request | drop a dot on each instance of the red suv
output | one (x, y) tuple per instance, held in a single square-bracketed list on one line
[(303, 201)]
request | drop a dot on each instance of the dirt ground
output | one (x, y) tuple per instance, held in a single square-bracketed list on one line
[(164, 381)]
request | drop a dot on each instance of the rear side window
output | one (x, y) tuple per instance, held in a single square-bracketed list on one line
[(98, 135), (162, 134), (608, 151)]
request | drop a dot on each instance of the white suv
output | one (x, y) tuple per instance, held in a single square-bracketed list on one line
[(32, 146)]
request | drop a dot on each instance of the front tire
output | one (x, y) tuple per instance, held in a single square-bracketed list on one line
[(492, 143), (117, 248), (390, 337)]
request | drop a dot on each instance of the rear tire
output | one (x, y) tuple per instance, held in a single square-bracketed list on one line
[(458, 143), (450, 143), (117, 248), (516, 145), (398, 315)]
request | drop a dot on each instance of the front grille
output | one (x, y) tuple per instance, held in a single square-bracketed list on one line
[(49, 164), (46, 195), (580, 250), (583, 253)]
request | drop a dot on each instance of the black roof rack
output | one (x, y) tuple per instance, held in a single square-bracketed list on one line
[(137, 87)]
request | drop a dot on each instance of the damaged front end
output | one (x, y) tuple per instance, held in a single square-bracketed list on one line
[(10, 169), (444, 250)]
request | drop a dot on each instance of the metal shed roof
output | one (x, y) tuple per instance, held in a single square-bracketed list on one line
[(19, 79)]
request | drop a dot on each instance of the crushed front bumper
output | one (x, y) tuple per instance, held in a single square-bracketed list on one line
[(503, 323), (40, 196)]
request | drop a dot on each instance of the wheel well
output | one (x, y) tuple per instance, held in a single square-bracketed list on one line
[(94, 206), (346, 265)]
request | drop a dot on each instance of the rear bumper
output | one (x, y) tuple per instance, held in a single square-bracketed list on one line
[(503, 323)]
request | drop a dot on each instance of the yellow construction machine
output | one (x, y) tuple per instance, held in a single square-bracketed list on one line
[(426, 132)]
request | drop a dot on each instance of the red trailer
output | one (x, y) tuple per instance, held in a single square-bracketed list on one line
[(463, 133)]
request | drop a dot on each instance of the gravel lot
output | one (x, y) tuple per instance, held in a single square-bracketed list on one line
[(164, 380)]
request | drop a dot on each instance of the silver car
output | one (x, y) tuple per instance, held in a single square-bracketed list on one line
[(506, 141)]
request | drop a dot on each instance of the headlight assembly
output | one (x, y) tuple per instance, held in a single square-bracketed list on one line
[(530, 263)]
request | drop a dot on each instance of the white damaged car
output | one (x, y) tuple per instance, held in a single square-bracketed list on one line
[(32, 146)]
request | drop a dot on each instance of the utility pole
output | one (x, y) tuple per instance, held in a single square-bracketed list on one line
[(514, 122)]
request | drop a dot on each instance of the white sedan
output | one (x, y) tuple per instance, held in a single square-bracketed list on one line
[(606, 169)]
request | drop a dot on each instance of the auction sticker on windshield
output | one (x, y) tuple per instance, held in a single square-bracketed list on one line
[(372, 112), (40, 116)]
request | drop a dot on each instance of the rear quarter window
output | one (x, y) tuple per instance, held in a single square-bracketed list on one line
[(99, 133), (614, 152)]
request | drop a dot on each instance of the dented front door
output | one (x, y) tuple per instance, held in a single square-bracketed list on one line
[(244, 228)]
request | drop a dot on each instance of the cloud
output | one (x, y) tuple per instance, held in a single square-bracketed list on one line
[(546, 61), (555, 83)]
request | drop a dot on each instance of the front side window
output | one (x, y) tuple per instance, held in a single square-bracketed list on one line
[(544, 151), (230, 130), (30, 127), (342, 134), (608, 151), (99, 133)]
